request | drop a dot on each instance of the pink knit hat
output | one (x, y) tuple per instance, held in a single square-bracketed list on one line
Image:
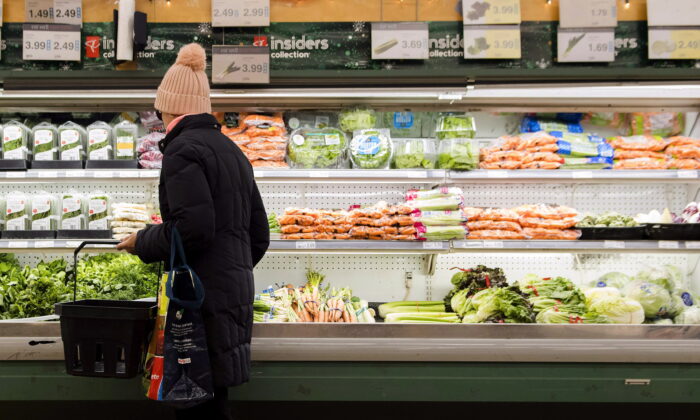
[(185, 87)]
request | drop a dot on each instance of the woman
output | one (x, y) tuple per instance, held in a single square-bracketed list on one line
[(208, 192)]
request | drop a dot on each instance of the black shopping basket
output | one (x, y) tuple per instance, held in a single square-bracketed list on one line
[(104, 338)]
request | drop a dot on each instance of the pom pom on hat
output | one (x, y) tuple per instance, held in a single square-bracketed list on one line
[(192, 56)]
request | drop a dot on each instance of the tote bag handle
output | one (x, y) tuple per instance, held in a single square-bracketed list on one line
[(180, 271)]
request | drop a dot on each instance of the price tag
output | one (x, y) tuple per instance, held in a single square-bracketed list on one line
[(614, 245), (68, 11), (305, 245), (259, 174), (488, 12), (450, 97), (38, 11), (43, 244), (47, 174), (687, 174), (103, 174), (18, 244), (674, 44), (417, 174), (15, 174), (50, 42), (692, 244), (244, 64), (581, 174), (586, 45), (400, 41), (73, 244), (492, 42), (493, 244), (673, 13), (75, 174), (432, 245), (128, 174), (318, 174), (587, 14), (668, 244), (240, 13), (497, 174), (152, 173)]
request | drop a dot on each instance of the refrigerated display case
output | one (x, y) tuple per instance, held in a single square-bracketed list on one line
[(412, 362)]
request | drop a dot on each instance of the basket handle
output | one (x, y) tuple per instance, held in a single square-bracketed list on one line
[(75, 260)]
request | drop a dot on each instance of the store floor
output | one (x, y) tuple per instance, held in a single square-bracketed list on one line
[(90, 410)]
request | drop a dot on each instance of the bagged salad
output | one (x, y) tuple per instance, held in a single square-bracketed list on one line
[(45, 141), (534, 124), (354, 119), (71, 141), (582, 145), (662, 124), (455, 126), (458, 153), (414, 154), (371, 149), (311, 148), (403, 124), (15, 138)]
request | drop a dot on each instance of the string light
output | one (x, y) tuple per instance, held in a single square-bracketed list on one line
[(627, 4), (549, 1)]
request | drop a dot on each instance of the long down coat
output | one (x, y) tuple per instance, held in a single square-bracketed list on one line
[(208, 191)]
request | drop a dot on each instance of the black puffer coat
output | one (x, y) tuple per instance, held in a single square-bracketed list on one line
[(208, 191)]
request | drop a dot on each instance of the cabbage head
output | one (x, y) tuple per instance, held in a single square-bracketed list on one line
[(618, 310), (613, 279), (595, 293), (689, 316), (655, 299)]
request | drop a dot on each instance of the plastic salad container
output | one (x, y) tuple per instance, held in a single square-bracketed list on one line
[(99, 135), (403, 124), (15, 136), (44, 141), (414, 154), (353, 119), (311, 148), (371, 149), (124, 137), (71, 141), (452, 126), (459, 153)]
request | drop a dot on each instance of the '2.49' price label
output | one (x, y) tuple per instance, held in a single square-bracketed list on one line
[(400, 41), (240, 64), (50, 42), (240, 13), (674, 44)]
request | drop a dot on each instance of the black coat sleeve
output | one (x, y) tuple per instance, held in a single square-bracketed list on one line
[(191, 206), (259, 229)]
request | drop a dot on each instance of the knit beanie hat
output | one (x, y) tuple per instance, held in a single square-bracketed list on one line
[(185, 87)]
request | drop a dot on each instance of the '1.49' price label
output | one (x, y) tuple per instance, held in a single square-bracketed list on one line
[(54, 11), (50, 42), (587, 45), (242, 64), (240, 13), (493, 41), (400, 41), (674, 44)]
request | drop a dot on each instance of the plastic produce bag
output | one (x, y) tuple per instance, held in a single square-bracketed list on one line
[(582, 145), (414, 154), (44, 141), (17, 207), (440, 233), (534, 124), (43, 211), (455, 126), (655, 300), (15, 137), (403, 124), (662, 124), (437, 218), (641, 142), (452, 202), (371, 149), (351, 120), (316, 148), (591, 163), (440, 192), (99, 135), (71, 138)]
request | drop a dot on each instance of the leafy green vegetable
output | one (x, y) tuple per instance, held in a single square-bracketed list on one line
[(555, 316), (458, 154), (608, 219), (370, 149), (689, 316), (456, 126), (618, 310), (316, 148), (558, 288), (412, 153), (473, 280), (273, 223), (612, 279), (502, 305), (29, 292), (357, 119), (655, 300)]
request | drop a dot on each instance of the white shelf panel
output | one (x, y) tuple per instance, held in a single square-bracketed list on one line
[(351, 246), (576, 246), (574, 176), (49, 175), (351, 175)]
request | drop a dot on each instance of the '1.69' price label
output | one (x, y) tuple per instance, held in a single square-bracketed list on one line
[(492, 41), (400, 41), (240, 64), (586, 45), (674, 44), (240, 13), (50, 42)]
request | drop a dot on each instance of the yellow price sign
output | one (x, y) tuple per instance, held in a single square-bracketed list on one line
[(488, 12), (492, 42), (674, 44)]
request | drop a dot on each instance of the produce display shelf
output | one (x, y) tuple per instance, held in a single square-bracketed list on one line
[(546, 343), (48, 175), (351, 175), (430, 247), (52, 245), (575, 176)]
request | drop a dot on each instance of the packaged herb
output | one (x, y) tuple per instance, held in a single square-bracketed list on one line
[(44, 141), (43, 211), (14, 141), (99, 135), (124, 137), (16, 211), (72, 211), (98, 211), (71, 141)]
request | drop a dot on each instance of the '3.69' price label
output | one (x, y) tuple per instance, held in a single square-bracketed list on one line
[(240, 64), (240, 13), (50, 42), (400, 41)]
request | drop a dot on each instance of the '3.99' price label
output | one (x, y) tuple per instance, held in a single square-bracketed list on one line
[(240, 13), (50, 42), (240, 64)]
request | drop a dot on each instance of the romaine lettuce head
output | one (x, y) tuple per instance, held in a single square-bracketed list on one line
[(555, 316), (618, 310), (613, 279), (655, 299), (689, 316), (459, 302)]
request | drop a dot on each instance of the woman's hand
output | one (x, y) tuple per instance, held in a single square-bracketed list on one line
[(128, 244)]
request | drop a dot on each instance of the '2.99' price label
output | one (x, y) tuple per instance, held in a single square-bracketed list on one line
[(240, 64), (50, 42), (400, 41), (240, 13)]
